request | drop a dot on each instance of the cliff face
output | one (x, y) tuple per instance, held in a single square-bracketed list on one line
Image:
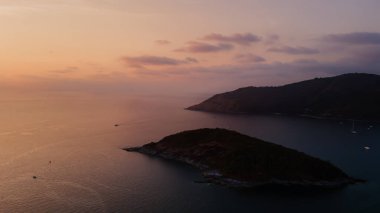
[(230, 158), (353, 96)]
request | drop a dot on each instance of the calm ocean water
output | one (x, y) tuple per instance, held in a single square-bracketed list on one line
[(70, 143)]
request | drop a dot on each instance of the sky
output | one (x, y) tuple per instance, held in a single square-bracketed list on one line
[(183, 46)]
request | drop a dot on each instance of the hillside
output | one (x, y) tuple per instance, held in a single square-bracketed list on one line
[(229, 158), (349, 96)]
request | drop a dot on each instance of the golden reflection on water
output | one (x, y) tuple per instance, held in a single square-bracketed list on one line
[(69, 142)]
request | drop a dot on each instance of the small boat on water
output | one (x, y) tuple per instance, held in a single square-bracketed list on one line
[(353, 131)]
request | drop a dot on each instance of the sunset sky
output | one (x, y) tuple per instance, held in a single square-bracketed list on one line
[(183, 45)]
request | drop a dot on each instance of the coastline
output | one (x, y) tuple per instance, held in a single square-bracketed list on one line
[(316, 117)]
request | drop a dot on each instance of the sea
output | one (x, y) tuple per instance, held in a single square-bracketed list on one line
[(61, 152)]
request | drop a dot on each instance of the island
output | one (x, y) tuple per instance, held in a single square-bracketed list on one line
[(348, 96), (232, 159)]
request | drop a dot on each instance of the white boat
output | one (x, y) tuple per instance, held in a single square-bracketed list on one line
[(353, 131)]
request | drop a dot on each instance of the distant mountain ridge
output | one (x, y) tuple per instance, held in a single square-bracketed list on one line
[(347, 96)]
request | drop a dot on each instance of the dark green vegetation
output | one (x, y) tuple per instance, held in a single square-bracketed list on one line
[(230, 158), (348, 96)]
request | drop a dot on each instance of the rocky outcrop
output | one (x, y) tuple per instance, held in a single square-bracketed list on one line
[(229, 158)]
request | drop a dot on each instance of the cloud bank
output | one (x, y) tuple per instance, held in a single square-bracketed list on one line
[(356, 38), (201, 47), (245, 39), (248, 58), (294, 50), (149, 60)]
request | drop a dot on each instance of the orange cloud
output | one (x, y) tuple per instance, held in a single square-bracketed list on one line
[(162, 42)]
